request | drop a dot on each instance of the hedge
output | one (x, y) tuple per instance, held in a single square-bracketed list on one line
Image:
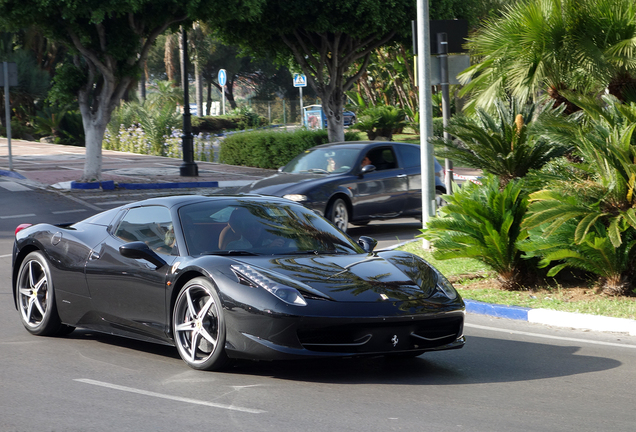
[(218, 124), (271, 149)]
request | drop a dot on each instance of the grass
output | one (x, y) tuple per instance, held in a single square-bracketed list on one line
[(475, 281)]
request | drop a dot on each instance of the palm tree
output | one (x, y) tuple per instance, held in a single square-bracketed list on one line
[(503, 144), (483, 222), (602, 201), (552, 47)]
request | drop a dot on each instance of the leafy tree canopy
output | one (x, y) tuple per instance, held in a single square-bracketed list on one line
[(109, 40)]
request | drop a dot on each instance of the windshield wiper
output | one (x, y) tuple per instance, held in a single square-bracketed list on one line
[(231, 252), (315, 170), (312, 252)]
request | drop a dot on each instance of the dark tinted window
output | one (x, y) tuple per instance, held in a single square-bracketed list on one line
[(383, 158), (410, 156), (151, 225), (223, 226)]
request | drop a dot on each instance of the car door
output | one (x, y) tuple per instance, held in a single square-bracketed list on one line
[(131, 293), (410, 157), (382, 192)]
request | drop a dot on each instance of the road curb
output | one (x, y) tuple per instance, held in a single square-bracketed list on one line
[(110, 185), (12, 174), (554, 318)]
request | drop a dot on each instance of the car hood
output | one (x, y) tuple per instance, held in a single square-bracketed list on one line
[(279, 184), (396, 276)]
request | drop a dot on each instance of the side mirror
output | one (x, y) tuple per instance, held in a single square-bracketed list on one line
[(367, 243), (280, 169), (140, 250), (367, 169)]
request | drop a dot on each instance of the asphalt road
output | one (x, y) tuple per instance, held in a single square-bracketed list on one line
[(23, 204), (511, 376)]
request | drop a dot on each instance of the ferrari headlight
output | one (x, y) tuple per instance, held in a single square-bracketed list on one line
[(285, 293), (445, 287), (295, 197)]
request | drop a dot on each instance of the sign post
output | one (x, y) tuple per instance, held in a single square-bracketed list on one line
[(9, 75), (442, 48), (222, 81), (300, 81)]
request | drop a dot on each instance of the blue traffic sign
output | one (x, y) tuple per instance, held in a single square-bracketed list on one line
[(222, 77), (300, 80)]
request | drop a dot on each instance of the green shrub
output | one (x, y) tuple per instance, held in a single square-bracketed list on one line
[(219, 124), (18, 130), (438, 127), (381, 121), (483, 222), (271, 149)]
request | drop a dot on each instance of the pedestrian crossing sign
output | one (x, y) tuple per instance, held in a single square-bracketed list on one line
[(300, 80)]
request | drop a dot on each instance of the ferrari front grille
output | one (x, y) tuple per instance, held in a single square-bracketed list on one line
[(360, 338)]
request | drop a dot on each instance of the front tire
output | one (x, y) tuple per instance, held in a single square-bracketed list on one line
[(198, 326), (36, 297), (339, 214)]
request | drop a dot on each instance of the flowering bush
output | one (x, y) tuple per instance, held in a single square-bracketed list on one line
[(133, 139)]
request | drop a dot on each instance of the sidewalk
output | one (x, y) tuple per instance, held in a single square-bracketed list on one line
[(61, 167)]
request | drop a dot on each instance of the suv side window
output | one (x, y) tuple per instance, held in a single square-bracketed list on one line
[(383, 158)]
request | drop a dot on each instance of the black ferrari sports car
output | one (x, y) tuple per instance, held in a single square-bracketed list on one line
[(231, 277)]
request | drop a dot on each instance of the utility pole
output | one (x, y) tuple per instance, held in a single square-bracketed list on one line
[(426, 115)]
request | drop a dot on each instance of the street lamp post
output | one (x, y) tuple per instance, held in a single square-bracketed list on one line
[(188, 168)]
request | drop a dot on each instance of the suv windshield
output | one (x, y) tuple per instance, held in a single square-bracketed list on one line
[(323, 160)]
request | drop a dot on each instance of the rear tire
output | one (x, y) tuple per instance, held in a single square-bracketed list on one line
[(36, 297), (439, 201), (198, 326)]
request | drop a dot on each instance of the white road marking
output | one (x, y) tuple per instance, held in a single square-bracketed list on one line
[(164, 396), (6, 256), (69, 211), (14, 187), (84, 203), (542, 336), (17, 216)]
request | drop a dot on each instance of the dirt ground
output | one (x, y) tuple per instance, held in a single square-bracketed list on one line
[(571, 291)]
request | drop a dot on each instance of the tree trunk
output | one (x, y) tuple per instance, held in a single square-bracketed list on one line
[(229, 93), (208, 110), (332, 104), (198, 86), (94, 131), (171, 70), (94, 123), (184, 73)]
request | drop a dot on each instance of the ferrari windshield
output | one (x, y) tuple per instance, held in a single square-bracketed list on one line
[(326, 160), (244, 226)]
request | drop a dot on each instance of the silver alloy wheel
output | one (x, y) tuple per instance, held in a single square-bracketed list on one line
[(198, 326), (33, 293), (340, 214)]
